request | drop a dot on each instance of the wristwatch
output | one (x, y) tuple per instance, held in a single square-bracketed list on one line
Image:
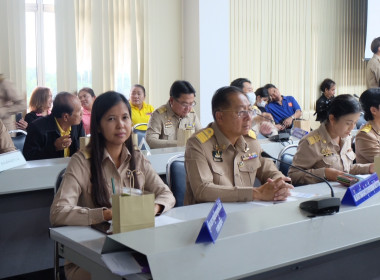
[(292, 117)]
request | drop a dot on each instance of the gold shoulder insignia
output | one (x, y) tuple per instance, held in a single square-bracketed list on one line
[(314, 139), (204, 135), (367, 128), (162, 109), (252, 134)]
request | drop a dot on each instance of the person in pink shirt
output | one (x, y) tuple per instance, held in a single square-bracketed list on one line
[(86, 96)]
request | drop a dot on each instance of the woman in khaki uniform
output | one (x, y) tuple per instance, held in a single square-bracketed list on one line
[(367, 142), (84, 195), (326, 152)]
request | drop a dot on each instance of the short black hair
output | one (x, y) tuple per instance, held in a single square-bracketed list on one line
[(326, 84), (239, 82), (181, 87), (63, 104), (370, 98), (262, 92), (220, 99), (341, 105), (268, 86), (375, 45)]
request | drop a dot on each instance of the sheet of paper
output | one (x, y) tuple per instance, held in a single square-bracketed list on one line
[(302, 195), (269, 203), (164, 220), (121, 263)]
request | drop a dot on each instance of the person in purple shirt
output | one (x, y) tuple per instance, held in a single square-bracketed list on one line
[(284, 109)]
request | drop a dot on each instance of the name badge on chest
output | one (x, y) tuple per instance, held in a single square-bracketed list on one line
[(168, 124), (217, 153)]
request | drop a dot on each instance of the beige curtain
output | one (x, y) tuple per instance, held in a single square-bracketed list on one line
[(110, 42), (295, 44), (12, 46)]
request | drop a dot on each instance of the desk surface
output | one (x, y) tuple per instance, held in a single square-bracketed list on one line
[(248, 236)]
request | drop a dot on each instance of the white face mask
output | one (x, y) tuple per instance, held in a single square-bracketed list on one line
[(262, 103)]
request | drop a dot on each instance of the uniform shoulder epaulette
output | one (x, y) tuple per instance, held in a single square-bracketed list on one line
[(162, 109), (252, 134), (204, 135), (314, 139), (367, 128)]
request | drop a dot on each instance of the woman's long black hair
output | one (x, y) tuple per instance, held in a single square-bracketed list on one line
[(342, 105), (102, 104)]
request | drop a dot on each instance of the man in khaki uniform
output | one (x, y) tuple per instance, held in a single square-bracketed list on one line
[(223, 160), (177, 114), (373, 66), (11, 102), (367, 141), (6, 143)]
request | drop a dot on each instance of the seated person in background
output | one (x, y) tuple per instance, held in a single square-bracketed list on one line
[(326, 151), (328, 93), (262, 121), (246, 86), (56, 135), (373, 65), (284, 109), (6, 143), (84, 196), (39, 106), (177, 113), (141, 111), (367, 141), (224, 159), (86, 96), (11, 103)]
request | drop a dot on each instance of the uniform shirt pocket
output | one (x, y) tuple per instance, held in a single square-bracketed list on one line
[(330, 160), (169, 132), (248, 171), (351, 155), (217, 173)]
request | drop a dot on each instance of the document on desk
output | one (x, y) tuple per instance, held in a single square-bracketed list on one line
[(269, 203), (121, 263)]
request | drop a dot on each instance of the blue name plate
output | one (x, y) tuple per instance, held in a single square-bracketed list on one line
[(362, 190), (213, 224)]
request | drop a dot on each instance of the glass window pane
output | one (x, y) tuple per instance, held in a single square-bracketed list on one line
[(50, 52), (48, 2), (31, 53), (30, 1)]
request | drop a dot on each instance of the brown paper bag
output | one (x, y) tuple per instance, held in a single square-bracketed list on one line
[(132, 212), (303, 124)]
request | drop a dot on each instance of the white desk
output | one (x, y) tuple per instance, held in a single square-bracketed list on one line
[(255, 239)]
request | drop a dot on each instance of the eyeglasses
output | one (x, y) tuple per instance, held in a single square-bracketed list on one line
[(186, 105), (242, 113)]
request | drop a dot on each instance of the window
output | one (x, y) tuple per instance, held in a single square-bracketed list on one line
[(41, 61)]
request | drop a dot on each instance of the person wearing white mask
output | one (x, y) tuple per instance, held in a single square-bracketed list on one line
[(246, 86)]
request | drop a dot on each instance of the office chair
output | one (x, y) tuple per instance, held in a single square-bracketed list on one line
[(18, 140), (140, 133), (57, 257), (287, 157), (176, 178)]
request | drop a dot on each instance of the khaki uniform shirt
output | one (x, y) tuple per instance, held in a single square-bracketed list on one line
[(164, 124), (367, 143), (373, 72), (216, 168), (316, 151), (73, 204), (11, 102), (6, 143)]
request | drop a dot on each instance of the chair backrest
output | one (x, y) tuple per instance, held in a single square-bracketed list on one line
[(19, 139), (59, 179), (176, 178), (287, 157), (140, 133)]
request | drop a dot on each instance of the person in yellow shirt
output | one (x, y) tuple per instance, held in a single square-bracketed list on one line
[(141, 111)]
